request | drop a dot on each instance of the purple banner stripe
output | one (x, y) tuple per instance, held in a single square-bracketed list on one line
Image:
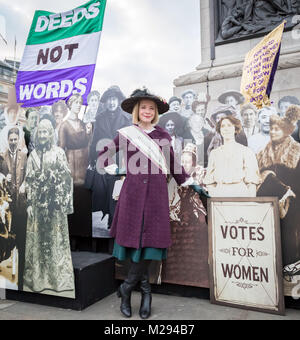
[(47, 87)]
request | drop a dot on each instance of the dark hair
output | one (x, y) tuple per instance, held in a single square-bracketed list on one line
[(60, 104), (175, 117), (197, 103), (32, 109), (13, 130), (289, 99), (236, 122)]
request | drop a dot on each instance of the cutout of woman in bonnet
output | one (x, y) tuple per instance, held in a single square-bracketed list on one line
[(187, 261)]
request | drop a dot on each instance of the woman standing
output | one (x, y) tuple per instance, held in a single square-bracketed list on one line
[(279, 164), (141, 225), (232, 168), (74, 137), (49, 188), (187, 262)]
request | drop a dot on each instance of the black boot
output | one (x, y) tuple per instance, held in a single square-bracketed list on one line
[(125, 289), (145, 309)]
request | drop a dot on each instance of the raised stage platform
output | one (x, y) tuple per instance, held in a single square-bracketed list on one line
[(94, 280)]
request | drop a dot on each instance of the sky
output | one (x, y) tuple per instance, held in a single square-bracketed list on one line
[(144, 42)]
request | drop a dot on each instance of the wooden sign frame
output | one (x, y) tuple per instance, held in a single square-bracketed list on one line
[(257, 288)]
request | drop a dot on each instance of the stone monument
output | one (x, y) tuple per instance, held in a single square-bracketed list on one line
[(229, 30)]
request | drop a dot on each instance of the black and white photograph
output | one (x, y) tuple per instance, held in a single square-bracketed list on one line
[(49, 187)]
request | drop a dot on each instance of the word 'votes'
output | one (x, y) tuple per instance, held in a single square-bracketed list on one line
[(241, 232)]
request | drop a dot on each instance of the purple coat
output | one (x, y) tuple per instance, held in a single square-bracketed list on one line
[(142, 214)]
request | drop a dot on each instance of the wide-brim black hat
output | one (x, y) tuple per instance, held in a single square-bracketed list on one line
[(174, 116), (113, 91), (138, 95)]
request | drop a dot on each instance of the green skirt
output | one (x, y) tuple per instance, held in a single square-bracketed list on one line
[(136, 255)]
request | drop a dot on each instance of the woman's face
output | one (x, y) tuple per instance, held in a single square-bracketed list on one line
[(187, 162), (58, 115), (32, 120), (227, 129), (93, 103), (175, 106), (231, 100), (147, 111), (201, 110), (112, 103), (170, 127), (249, 118), (276, 133), (76, 106)]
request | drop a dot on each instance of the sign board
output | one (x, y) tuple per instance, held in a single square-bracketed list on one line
[(245, 254)]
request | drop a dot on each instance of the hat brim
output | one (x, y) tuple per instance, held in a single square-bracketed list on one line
[(226, 112), (238, 96), (129, 104)]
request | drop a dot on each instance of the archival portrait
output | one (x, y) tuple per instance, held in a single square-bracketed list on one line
[(232, 167), (49, 189), (187, 262), (73, 138), (279, 164)]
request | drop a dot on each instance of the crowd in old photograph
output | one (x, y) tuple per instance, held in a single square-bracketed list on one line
[(230, 147)]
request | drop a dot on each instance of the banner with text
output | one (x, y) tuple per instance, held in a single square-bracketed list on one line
[(260, 67), (60, 55)]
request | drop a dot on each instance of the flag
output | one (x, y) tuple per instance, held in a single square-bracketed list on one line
[(260, 67), (60, 55)]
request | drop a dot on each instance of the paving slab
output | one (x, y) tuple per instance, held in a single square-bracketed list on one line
[(165, 307)]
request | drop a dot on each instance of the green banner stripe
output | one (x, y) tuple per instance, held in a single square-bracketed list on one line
[(46, 26)]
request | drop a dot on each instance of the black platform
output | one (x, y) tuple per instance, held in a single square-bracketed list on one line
[(94, 280)]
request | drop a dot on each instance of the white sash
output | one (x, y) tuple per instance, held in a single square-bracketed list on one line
[(36, 159), (146, 145)]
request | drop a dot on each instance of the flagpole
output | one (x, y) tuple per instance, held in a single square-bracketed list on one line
[(1, 36), (15, 49)]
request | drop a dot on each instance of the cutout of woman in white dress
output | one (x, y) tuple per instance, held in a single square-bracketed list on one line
[(232, 168)]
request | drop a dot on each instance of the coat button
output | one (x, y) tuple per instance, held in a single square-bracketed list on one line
[(145, 181)]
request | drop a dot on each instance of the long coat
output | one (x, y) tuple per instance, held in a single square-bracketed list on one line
[(105, 127), (75, 143), (282, 163), (17, 169), (142, 214)]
